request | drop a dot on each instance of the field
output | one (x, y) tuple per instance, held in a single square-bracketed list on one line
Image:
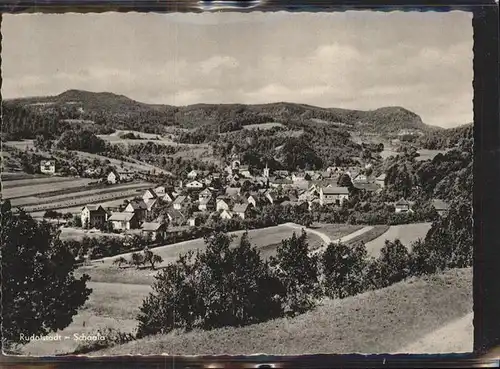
[(336, 231), (263, 126), (79, 193), (12, 176), (383, 321), (135, 166), (37, 179), (21, 145), (54, 193), (78, 233), (375, 232), (115, 138), (429, 154), (14, 191), (406, 233), (265, 239)]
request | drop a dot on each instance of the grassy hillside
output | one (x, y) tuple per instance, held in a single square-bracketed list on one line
[(122, 112), (380, 321)]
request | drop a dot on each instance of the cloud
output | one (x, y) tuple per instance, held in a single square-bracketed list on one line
[(218, 62)]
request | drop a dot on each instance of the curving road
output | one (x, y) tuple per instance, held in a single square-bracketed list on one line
[(326, 239)]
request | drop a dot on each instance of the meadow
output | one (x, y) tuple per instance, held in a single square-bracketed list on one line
[(406, 233), (386, 320)]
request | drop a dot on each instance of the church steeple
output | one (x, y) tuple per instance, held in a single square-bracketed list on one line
[(266, 171)]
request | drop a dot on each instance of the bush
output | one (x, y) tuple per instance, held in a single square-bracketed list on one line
[(299, 274), (344, 270), (220, 286), (392, 266)]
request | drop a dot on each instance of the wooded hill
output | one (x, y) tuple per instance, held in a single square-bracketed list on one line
[(121, 112)]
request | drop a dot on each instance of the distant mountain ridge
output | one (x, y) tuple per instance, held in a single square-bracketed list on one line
[(387, 120)]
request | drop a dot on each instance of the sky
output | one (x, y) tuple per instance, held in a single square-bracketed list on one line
[(354, 60)]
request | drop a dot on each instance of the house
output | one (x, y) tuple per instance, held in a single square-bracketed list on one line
[(93, 216), (441, 207), (241, 210), (205, 194), (333, 195), (48, 166), (194, 185), (149, 194), (113, 177), (155, 230), (255, 200), (244, 170), (195, 220), (233, 191), (280, 183), (151, 204), (192, 174), (298, 177), (124, 221), (360, 178), (271, 196), (160, 191), (380, 180), (402, 206), (222, 203), (176, 217), (206, 204), (168, 197), (226, 214), (181, 202), (282, 173), (137, 207)]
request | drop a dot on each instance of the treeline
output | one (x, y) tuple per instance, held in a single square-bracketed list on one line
[(233, 286), (445, 138)]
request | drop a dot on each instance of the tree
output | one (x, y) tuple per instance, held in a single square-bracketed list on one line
[(298, 272), (40, 294), (393, 263), (120, 261), (344, 269), (345, 180), (151, 258), (137, 259)]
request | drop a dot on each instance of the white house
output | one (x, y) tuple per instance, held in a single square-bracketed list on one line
[(137, 207), (222, 204), (156, 230), (241, 210), (226, 214), (160, 191), (113, 177), (192, 174), (168, 197), (124, 221), (93, 216), (380, 180), (333, 195), (206, 204), (149, 194), (205, 194), (402, 206), (194, 185), (181, 202), (48, 166)]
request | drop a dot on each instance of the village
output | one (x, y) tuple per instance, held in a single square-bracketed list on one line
[(241, 191)]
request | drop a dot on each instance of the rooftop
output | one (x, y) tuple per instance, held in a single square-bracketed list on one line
[(335, 190), (122, 216)]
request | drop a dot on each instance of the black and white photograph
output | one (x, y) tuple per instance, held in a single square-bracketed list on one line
[(225, 183)]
